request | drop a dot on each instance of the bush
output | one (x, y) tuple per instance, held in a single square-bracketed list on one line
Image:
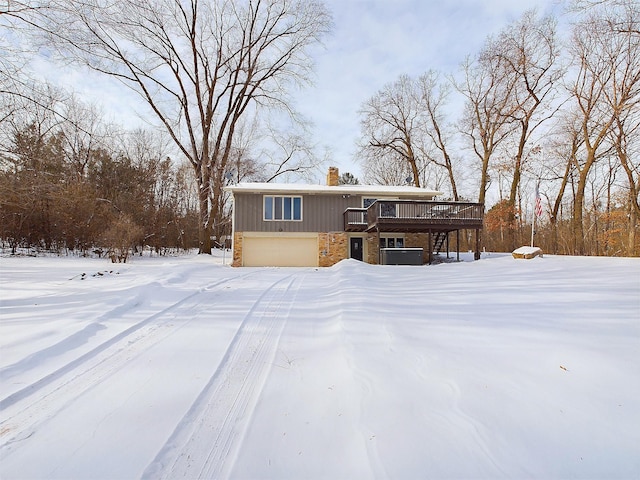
[(120, 237)]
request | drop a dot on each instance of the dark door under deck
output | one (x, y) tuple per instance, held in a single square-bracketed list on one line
[(356, 245)]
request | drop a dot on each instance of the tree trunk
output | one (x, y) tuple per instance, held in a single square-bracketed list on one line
[(484, 179), (204, 225), (578, 206), (633, 222), (452, 181), (412, 161)]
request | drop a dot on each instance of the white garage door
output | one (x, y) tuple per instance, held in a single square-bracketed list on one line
[(280, 251)]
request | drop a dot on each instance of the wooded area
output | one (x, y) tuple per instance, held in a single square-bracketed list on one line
[(537, 108), (561, 112)]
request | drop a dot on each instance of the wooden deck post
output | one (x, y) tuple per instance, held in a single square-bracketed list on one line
[(477, 254), (447, 244), (458, 245)]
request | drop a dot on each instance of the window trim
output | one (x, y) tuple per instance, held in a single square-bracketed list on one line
[(274, 209), (395, 237)]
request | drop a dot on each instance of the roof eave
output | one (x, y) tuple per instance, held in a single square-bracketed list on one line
[(333, 190)]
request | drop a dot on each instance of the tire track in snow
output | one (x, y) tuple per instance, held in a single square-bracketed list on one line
[(89, 369), (206, 442)]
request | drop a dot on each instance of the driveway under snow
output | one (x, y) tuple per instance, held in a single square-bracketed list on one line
[(187, 368)]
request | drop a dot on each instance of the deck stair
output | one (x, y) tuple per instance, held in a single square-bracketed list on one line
[(438, 241)]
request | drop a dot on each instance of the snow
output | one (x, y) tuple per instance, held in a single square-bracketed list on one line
[(183, 367), (527, 250), (358, 190)]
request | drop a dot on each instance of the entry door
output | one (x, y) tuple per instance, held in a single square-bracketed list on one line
[(356, 244)]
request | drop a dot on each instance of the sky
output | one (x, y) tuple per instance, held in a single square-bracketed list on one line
[(182, 367), (376, 41), (372, 43)]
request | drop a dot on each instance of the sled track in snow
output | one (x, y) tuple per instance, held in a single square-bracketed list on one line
[(206, 442), (23, 410)]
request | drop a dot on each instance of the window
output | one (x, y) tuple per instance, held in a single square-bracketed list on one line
[(391, 242), (366, 202), (282, 208), (386, 209)]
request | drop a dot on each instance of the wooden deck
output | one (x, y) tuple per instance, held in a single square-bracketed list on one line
[(414, 216)]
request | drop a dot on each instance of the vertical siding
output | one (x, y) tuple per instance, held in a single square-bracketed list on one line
[(320, 213)]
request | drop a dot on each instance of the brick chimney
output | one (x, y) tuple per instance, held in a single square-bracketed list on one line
[(332, 177)]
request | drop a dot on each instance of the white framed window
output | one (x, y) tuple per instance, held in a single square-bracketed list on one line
[(282, 208), (391, 242)]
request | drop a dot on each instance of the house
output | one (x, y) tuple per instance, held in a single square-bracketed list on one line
[(319, 225)]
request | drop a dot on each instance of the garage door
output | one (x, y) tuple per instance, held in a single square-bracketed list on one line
[(280, 251)]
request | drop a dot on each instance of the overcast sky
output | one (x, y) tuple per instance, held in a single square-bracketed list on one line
[(375, 41)]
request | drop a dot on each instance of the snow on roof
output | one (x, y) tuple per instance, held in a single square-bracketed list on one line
[(374, 190)]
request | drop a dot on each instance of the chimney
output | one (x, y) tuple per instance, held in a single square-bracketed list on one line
[(332, 177)]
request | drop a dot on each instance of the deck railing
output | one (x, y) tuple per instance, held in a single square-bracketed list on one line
[(355, 219), (414, 215)]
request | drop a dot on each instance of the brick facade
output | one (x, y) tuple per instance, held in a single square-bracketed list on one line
[(418, 240), (237, 250), (333, 177), (332, 247), (371, 241)]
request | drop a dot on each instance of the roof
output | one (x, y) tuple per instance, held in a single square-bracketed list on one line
[(373, 190)]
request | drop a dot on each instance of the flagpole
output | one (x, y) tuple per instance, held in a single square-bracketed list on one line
[(537, 210), (533, 225)]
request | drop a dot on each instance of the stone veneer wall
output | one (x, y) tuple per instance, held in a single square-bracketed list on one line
[(372, 249), (332, 247), (411, 240), (418, 240), (237, 249)]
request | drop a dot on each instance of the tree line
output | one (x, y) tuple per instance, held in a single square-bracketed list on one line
[(65, 188), (535, 108), (538, 109)]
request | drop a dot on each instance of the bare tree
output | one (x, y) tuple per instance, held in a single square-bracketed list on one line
[(524, 57), (286, 153), (433, 98), (392, 126), (530, 52), (488, 115), (387, 170), (606, 86), (628, 151), (626, 127), (200, 66), (84, 132), (564, 148), (16, 88)]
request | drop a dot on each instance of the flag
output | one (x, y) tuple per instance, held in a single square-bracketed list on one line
[(538, 208)]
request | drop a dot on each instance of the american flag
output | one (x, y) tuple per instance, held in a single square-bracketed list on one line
[(538, 208)]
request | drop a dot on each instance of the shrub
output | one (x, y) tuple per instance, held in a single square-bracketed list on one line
[(120, 237)]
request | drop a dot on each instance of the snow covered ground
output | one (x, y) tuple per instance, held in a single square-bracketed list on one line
[(186, 368)]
